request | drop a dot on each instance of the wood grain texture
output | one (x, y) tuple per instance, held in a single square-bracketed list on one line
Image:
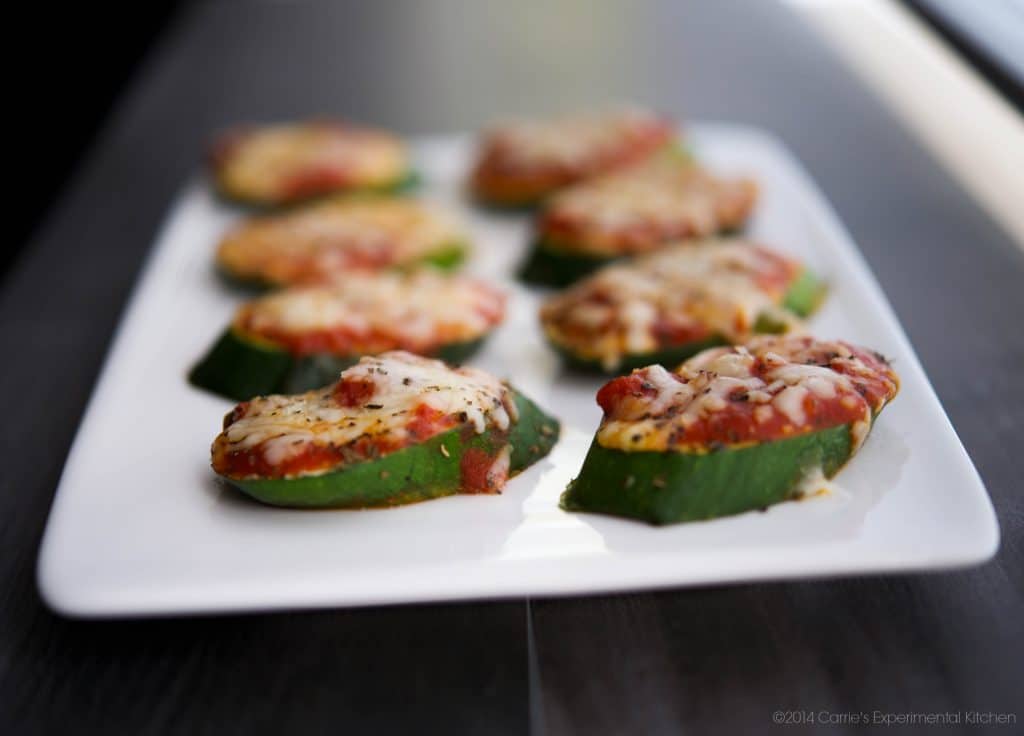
[(699, 661)]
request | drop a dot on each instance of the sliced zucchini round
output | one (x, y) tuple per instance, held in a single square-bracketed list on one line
[(420, 472), (239, 367)]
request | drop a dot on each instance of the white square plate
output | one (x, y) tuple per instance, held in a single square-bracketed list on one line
[(140, 525)]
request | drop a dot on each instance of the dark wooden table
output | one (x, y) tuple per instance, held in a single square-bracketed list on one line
[(699, 661)]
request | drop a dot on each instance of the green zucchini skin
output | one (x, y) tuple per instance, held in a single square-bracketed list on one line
[(802, 298), (672, 487), (806, 294), (669, 357), (509, 208), (547, 265), (416, 473), (448, 257), (238, 368), (405, 184)]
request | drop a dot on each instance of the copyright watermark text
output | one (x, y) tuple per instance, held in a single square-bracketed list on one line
[(894, 718)]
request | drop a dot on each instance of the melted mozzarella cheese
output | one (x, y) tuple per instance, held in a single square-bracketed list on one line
[(418, 310), (323, 239), (669, 390), (664, 197), (262, 162), (790, 401), (704, 385), (281, 427), (571, 142), (717, 288)]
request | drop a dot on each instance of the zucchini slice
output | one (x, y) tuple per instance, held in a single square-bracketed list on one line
[(667, 488), (238, 367), (406, 184), (637, 210), (715, 292), (340, 235), (766, 324), (448, 257), (556, 266), (421, 472), (394, 429), (734, 429), (281, 165), (300, 338), (520, 163)]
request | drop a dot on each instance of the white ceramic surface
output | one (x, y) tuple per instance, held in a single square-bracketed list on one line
[(141, 526)]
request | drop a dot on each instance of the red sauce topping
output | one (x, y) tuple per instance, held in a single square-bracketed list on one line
[(560, 226), (235, 414), (474, 468), (669, 333), (612, 394), (374, 409), (312, 458), (872, 383), (633, 237), (344, 340), (353, 391), (502, 173), (315, 180), (738, 424), (426, 421), (241, 463), (593, 310), (482, 472)]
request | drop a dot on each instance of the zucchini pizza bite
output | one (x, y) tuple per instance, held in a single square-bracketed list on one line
[(666, 306), (522, 162), (301, 338), (730, 430), (640, 209), (394, 429), (278, 165), (321, 240)]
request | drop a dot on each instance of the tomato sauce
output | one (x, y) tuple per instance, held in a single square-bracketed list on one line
[(426, 421), (502, 173), (343, 340), (313, 180), (871, 384), (353, 391)]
